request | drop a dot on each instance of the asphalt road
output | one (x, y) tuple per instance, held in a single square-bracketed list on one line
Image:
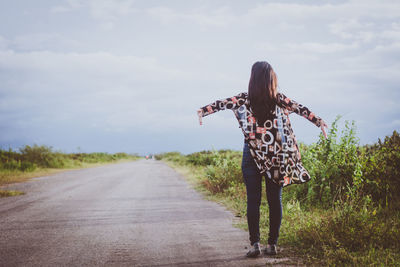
[(138, 213)]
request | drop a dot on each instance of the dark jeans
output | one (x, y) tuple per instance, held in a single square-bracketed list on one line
[(253, 179)]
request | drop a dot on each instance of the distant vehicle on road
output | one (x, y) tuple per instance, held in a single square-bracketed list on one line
[(150, 156)]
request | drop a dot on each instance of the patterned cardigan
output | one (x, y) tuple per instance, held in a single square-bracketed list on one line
[(273, 145)]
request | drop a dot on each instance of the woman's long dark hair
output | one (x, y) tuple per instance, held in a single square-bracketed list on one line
[(262, 91)]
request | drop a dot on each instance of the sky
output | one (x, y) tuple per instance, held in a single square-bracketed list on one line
[(129, 75)]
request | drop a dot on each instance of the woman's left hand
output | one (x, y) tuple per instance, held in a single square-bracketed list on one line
[(323, 124), (200, 114)]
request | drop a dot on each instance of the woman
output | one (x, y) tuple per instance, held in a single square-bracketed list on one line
[(270, 147)]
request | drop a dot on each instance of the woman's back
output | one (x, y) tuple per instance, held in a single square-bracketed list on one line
[(272, 144)]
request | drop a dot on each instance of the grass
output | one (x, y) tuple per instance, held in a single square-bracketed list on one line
[(10, 193), (348, 214), (36, 161), (350, 234)]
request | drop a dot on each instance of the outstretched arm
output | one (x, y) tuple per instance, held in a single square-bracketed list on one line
[(293, 106), (227, 103)]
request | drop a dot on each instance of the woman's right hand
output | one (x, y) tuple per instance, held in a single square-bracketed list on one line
[(323, 124), (200, 114)]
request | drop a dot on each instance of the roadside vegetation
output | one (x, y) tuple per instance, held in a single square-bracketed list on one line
[(348, 214), (33, 161)]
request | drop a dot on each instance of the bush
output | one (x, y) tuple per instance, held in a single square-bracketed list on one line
[(43, 156), (222, 168), (30, 157), (224, 172), (175, 157), (203, 158), (335, 168), (382, 171), (27, 166), (348, 214), (13, 165)]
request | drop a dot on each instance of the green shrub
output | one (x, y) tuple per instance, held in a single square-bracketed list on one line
[(28, 158), (18, 165), (224, 172), (27, 166), (382, 171), (335, 168), (43, 156), (203, 158), (175, 157), (11, 165), (348, 214)]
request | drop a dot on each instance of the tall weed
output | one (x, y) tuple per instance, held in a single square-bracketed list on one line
[(348, 214), (381, 171), (224, 172), (335, 167)]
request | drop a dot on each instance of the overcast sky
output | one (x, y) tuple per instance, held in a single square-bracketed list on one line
[(129, 75)]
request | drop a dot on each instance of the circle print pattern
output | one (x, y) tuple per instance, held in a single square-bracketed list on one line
[(273, 144)]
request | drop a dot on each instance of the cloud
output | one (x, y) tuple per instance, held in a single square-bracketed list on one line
[(43, 41), (60, 9), (345, 17), (107, 92), (3, 43), (100, 64), (110, 10), (105, 11), (391, 34), (396, 123), (219, 17), (365, 30), (141, 82), (322, 12), (69, 6), (309, 47)]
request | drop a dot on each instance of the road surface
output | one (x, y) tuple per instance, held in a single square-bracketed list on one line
[(139, 213)]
